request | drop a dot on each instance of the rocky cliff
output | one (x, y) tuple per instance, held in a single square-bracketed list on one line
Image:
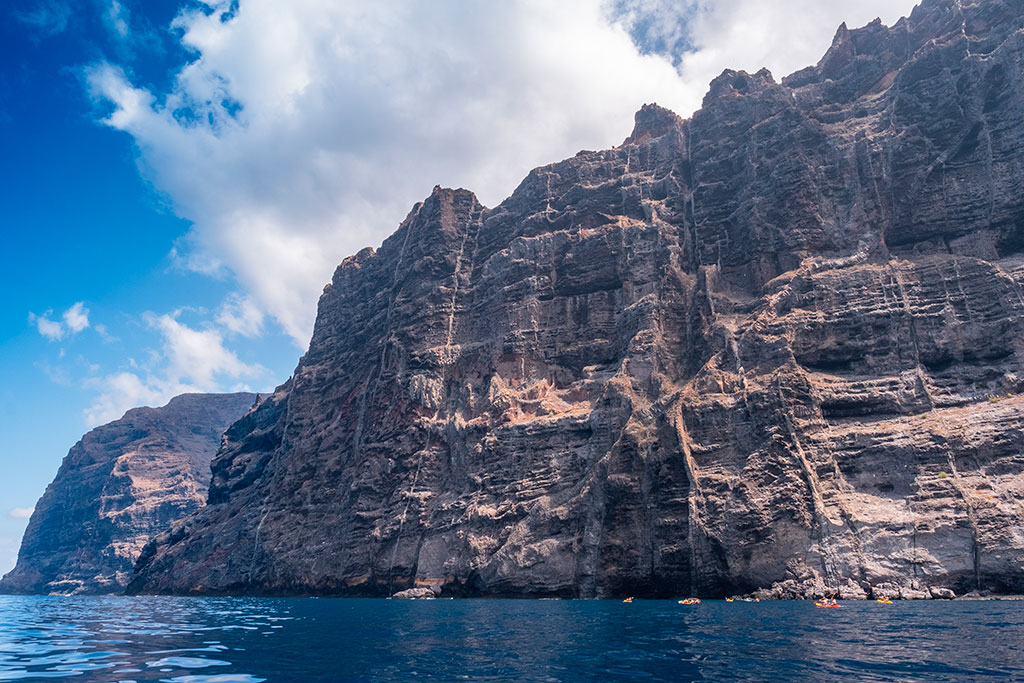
[(119, 486), (775, 346)]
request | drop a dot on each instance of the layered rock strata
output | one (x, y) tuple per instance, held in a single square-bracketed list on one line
[(123, 483), (775, 346)]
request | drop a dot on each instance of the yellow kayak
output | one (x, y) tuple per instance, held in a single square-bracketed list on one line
[(884, 601), (628, 600)]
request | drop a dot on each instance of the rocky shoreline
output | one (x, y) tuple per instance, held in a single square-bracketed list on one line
[(759, 596)]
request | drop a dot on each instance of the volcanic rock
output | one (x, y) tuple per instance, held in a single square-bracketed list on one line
[(418, 593), (775, 346), (120, 485)]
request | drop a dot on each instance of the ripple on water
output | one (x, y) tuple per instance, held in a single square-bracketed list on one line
[(23, 674), (219, 678), (186, 662), (198, 640)]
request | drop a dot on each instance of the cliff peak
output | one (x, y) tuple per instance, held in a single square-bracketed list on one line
[(732, 83), (122, 484), (652, 121)]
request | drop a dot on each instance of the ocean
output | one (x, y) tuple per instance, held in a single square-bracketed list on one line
[(245, 640)]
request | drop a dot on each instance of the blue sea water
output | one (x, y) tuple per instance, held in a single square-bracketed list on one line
[(243, 640)]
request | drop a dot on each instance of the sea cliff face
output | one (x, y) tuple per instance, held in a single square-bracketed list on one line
[(120, 485), (775, 346)]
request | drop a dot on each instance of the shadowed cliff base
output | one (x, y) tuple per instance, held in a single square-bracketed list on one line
[(775, 346)]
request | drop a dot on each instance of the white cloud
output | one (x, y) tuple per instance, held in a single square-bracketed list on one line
[(116, 18), (198, 357), (305, 130), (21, 513), (51, 329), (241, 315), (104, 333), (189, 360), (122, 391), (76, 318), (783, 35)]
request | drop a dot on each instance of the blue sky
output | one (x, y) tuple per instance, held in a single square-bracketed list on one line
[(180, 178), (81, 225)]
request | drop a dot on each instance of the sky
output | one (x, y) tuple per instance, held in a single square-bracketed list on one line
[(179, 178)]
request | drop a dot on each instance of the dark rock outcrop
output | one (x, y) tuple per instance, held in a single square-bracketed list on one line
[(123, 483), (776, 346)]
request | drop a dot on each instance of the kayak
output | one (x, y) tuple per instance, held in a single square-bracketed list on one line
[(690, 601), (826, 604), (884, 601), (628, 600)]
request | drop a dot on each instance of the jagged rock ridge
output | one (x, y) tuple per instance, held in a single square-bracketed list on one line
[(123, 483), (775, 346)]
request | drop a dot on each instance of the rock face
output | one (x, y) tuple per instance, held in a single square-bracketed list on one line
[(418, 593), (119, 486), (775, 346)]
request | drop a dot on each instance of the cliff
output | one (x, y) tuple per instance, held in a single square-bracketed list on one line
[(119, 486), (775, 346)]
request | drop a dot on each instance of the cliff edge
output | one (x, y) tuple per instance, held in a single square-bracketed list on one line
[(776, 346), (123, 483)]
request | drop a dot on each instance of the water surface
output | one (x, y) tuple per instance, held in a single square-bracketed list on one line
[(243, 640)]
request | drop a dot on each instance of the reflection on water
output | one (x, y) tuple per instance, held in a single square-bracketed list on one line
[(244, 640)]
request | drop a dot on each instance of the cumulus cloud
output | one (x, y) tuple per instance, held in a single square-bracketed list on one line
[(51, 329), (189, 359), (75, 319), (306, 130), (302, 131), (241, 315), (21, 513), (198, 357), (121, 391)]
